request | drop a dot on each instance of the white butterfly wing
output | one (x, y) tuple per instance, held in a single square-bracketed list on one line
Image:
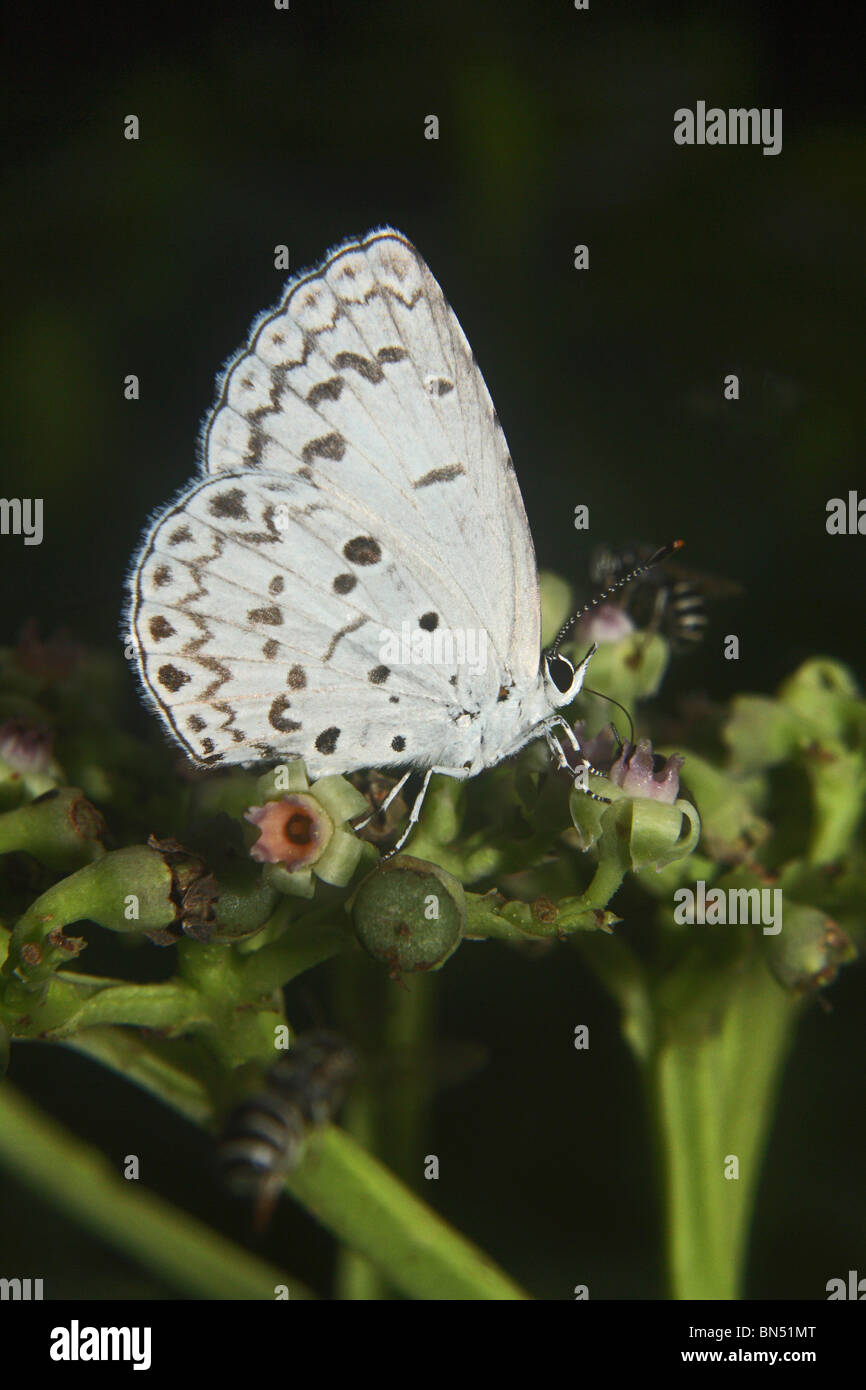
[(362, 381), (262, 620), (356, 481)]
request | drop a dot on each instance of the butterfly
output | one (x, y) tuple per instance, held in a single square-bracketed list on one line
[(351, 579)]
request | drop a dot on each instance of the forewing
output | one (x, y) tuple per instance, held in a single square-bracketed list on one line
[(361, 382)]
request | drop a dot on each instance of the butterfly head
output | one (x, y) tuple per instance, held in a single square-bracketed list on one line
[(563, 681)]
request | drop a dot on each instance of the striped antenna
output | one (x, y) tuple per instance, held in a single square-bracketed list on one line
[(655, 559)]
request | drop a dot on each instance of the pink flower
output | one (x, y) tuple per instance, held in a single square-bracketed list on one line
[(26, 748), (295, 831), (634, 767), (607, 622)]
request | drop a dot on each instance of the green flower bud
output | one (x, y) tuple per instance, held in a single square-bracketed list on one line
[(809, 950), (824, 695), (126, 890), (761, 733), (194, 892), (61, 829), (245, 903), (816, 721), (409, 915)]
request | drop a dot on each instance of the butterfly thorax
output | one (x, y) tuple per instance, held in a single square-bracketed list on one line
[(484, 732)]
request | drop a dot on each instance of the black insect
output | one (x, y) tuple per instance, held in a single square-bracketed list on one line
[(666, 598), (264, 1136)]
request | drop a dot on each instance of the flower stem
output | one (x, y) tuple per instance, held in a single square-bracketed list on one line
[(712, 1093), (352, 1194), (79, 1181)]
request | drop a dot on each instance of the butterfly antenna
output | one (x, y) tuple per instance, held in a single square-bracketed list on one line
[(588, 691), (655, 559)]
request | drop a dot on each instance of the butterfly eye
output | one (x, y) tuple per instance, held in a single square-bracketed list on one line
[(561, 672)]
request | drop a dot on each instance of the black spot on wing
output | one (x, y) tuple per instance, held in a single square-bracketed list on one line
[(364, 366), (171, 678), (229, 505), (271, 615), (343, 632), (277, 719), (325, 391), (328, 446), (363, 550), (440, 475), (437, 385), (160, 628), (326, 741)]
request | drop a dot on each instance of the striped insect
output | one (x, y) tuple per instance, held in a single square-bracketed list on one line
[(665, 598), (264, 1136)]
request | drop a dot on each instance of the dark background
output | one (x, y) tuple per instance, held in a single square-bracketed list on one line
[(261, 127)]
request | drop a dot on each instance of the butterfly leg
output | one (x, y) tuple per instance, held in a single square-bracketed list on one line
[(560, 722), (459, 772), (556, 749), (392, 794)]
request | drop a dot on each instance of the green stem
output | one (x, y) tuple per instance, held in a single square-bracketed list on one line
[(364, 1205), (408, 1085), (357, 1000), (167, 1006), (387, 1108), (173, 1071), (80, 1182), (307, 942), (352, 1194), (712, 1093)]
